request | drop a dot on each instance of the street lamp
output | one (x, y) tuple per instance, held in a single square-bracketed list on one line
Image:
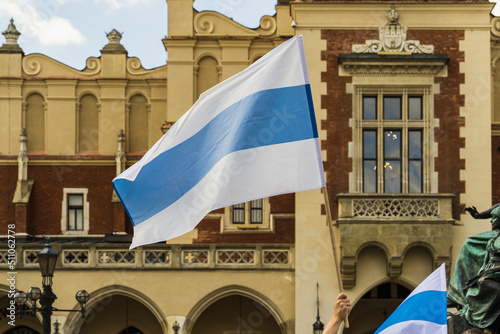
[(318, 325), (176, 327), (47, 259)]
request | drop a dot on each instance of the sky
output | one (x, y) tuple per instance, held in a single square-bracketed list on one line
[(71, 31)]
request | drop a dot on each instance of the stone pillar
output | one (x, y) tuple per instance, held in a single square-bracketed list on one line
[(23, 188), (119, 222)]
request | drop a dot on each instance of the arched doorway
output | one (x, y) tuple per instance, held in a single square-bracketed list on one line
[(27, 324), (22, 330), (236, 314), (375, 307), (120, 314)]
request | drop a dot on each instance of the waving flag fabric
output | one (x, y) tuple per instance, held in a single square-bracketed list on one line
[(423, 311), (251, 136)]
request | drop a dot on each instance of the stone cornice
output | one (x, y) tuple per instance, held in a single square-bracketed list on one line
[(393, 64)]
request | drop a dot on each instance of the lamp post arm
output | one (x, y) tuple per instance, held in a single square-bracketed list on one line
[(82, 311)]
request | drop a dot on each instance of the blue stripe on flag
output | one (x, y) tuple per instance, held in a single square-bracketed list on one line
[(264, 118), (429, 305)]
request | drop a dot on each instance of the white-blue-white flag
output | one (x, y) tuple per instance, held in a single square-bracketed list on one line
[(251, 136), (423, 311)]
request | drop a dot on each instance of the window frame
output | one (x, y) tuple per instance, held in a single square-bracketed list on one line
[(406, 125), (65, 211), (267, 224)]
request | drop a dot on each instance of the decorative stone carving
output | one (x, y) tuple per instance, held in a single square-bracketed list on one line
[(11, 34), (114, 46), (348, 269), (120, 160), (93, 66), (11, 37), (267, 26), (31, 66), (392, 39), (215, 24), (398, 207), (24, 186), (495, 26)]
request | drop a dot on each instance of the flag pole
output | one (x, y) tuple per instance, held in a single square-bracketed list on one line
[(334, 244)]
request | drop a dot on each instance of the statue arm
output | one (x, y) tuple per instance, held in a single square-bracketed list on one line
[(480, 215)]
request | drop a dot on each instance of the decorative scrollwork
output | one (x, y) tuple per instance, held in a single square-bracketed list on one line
[(495, 26), (415, 47), (93, 66), (203, 25), (134, 66), (268, 25), (31, 66), (370, 47)]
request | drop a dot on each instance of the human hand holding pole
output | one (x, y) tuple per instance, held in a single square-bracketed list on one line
[(341, 309)]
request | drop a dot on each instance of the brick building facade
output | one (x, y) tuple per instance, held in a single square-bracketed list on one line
[(422, 73)]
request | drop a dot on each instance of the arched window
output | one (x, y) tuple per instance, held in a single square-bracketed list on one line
[(138, 124), (35, 123), (88, 124), (208, 74)]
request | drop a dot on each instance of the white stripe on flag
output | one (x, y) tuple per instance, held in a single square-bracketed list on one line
[(252, 136), (423, 311)]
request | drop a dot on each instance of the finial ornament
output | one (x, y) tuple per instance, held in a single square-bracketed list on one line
[(11, 34), (114, 36), (114, 46)]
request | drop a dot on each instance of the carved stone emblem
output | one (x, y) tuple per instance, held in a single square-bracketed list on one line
[(392, 39)]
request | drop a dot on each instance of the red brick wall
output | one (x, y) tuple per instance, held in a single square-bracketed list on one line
[(44, 209), (339, 110), (284, 229), (45, 205), (446, 108), (8, 180), (209, 232)]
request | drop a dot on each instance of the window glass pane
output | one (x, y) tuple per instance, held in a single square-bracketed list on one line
[(415, 144), (415, 107), (415, 176), (79, 219), (71, 220), (256, 212), (369, 107), (369, 176), (75, 200), (392, 176), (392, 144), (370, 144), (239, 213), (392, 107)]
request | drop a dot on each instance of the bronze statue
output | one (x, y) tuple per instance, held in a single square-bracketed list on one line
[(475, 285)]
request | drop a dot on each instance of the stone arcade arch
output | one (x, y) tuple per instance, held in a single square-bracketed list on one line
[(375, 306), (256, 313), (31, 324), (134, 308)]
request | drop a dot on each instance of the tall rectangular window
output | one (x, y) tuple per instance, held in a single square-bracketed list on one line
[(239, 213), (392, 134), (75, 212)]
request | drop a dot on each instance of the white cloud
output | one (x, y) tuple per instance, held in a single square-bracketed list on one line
[(59, 31), (39, 20)]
